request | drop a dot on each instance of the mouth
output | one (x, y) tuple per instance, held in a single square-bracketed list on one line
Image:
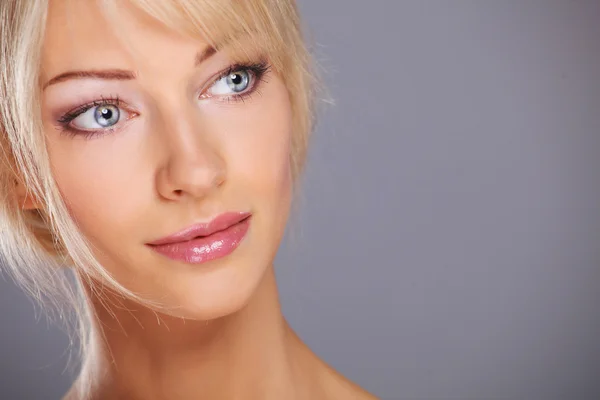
[(203, 229), (217, 231), (205, 241)]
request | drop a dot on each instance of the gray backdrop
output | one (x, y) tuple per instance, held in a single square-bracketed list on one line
[(447, 242)]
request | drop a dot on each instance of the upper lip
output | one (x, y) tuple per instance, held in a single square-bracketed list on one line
[(219, 223)]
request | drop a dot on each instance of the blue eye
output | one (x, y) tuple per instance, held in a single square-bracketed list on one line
[(234, 83), (97, 117), (107, 115)]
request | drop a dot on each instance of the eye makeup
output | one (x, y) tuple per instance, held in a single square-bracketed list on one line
[(252, 75), (256, 73)]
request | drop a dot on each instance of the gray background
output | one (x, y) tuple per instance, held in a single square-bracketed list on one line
[(447, 241)]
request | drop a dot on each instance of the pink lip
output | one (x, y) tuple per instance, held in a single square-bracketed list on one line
[(205, 241)]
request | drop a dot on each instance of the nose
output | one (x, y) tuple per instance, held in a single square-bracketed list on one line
[(192, 166)]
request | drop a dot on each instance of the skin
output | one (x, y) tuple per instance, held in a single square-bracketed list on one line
[(176, 158)]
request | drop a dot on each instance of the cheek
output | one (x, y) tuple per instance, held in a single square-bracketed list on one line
[(258, 146), (101, 186), (109, 182), (266, 163)]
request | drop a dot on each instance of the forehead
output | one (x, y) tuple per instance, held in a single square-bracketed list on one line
[(81, 35)]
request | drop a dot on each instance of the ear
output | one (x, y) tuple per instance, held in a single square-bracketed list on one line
[(24, 198)]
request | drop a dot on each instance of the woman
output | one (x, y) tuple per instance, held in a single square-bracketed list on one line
[(152, 147)]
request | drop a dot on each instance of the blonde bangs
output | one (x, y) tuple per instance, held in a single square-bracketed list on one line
[(246, 29), (243, 27)]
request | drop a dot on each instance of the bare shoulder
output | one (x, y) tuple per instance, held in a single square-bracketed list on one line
[(345, 389), (339, 387), (328, 383), (354, 392)]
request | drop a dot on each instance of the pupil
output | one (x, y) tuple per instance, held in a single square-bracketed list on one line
[(236, 79), (106, 113)]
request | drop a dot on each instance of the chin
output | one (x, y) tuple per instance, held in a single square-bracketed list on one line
[(202, 291), (209, 292), (219, 287)]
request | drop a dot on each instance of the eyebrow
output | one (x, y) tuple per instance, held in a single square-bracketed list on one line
[(119, 74), (204, 55)]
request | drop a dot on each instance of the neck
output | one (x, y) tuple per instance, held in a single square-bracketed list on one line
[(251, 354)]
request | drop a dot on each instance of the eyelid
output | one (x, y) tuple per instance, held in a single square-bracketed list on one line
[(73, 113), (217, 77), (204, 95), (65, 121), (94, 133), (120, 123), (256, 70)]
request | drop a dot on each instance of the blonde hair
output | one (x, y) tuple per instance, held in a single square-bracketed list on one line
[(36, 245)]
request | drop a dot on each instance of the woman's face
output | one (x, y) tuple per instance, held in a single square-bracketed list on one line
[(156, 133)]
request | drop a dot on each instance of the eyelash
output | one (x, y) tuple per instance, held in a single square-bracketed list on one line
[(257, 72)]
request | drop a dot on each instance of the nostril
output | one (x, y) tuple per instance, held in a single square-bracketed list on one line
[(178, 192)]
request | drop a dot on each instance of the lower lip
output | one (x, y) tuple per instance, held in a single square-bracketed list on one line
[(207, 248)]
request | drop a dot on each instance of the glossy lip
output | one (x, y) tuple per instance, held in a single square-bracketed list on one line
[(219, 223), (205, 241)]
